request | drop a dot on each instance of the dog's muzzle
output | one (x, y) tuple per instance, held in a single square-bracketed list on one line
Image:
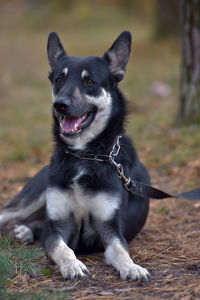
[(72, 124)]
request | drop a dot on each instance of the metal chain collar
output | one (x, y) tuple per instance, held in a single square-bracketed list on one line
[(132, 186), (108, 158), (102, 158), (119, 167)]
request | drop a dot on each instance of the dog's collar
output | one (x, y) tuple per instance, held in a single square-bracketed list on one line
[(137, 188), (100, 157)]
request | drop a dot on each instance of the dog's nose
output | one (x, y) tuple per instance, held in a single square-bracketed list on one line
[(61, 105)]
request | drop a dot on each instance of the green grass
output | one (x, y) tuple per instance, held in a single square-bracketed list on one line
[(16, 261)]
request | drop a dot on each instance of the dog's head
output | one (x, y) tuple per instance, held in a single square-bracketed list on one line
[(83, 88)]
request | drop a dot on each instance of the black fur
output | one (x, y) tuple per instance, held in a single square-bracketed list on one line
[(99, 177)]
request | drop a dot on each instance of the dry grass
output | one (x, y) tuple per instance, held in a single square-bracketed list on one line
[(168, 247)]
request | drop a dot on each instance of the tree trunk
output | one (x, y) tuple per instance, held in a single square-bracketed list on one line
[(190, 68)]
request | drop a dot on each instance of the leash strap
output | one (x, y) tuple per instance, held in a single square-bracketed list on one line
[(147, 191), (133, 186)]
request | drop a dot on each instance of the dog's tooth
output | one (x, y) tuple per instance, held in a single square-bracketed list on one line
[(84, 117)]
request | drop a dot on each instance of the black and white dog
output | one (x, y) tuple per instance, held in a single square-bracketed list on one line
[(78, 203)]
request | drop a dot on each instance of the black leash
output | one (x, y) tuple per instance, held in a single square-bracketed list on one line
[(148, 191), (133, 186)]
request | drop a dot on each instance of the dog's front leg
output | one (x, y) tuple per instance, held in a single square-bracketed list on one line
[(117, 254), (62, 230), (64, 257)]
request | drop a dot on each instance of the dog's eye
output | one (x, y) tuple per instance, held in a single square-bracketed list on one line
[(89, 82), (59, 80)]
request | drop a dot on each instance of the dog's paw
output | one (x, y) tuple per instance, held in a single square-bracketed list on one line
[(134, 272), (23, 233), (73, 268)]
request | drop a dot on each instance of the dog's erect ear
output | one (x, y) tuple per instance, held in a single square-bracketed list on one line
[(118, 54), (54, 49)]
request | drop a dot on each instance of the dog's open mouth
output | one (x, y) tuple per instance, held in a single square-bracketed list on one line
[(74, 125)]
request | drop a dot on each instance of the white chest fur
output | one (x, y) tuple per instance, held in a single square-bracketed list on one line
[(76, 200)]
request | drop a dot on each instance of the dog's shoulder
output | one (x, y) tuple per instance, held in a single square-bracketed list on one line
[(127, 155)]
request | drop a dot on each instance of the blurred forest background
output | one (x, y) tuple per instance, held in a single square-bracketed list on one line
[(88, 28)]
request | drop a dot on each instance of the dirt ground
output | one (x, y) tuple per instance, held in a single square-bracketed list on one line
[(168, 247)]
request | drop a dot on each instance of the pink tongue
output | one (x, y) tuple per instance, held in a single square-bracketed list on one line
[(68, 124)]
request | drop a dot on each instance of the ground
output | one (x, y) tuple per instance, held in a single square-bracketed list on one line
[(168, 246)]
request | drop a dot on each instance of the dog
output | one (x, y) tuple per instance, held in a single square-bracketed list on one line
[(78, 203)]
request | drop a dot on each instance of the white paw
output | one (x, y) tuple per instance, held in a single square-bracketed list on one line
[(134, 272), (73, 268), (23, 233)]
